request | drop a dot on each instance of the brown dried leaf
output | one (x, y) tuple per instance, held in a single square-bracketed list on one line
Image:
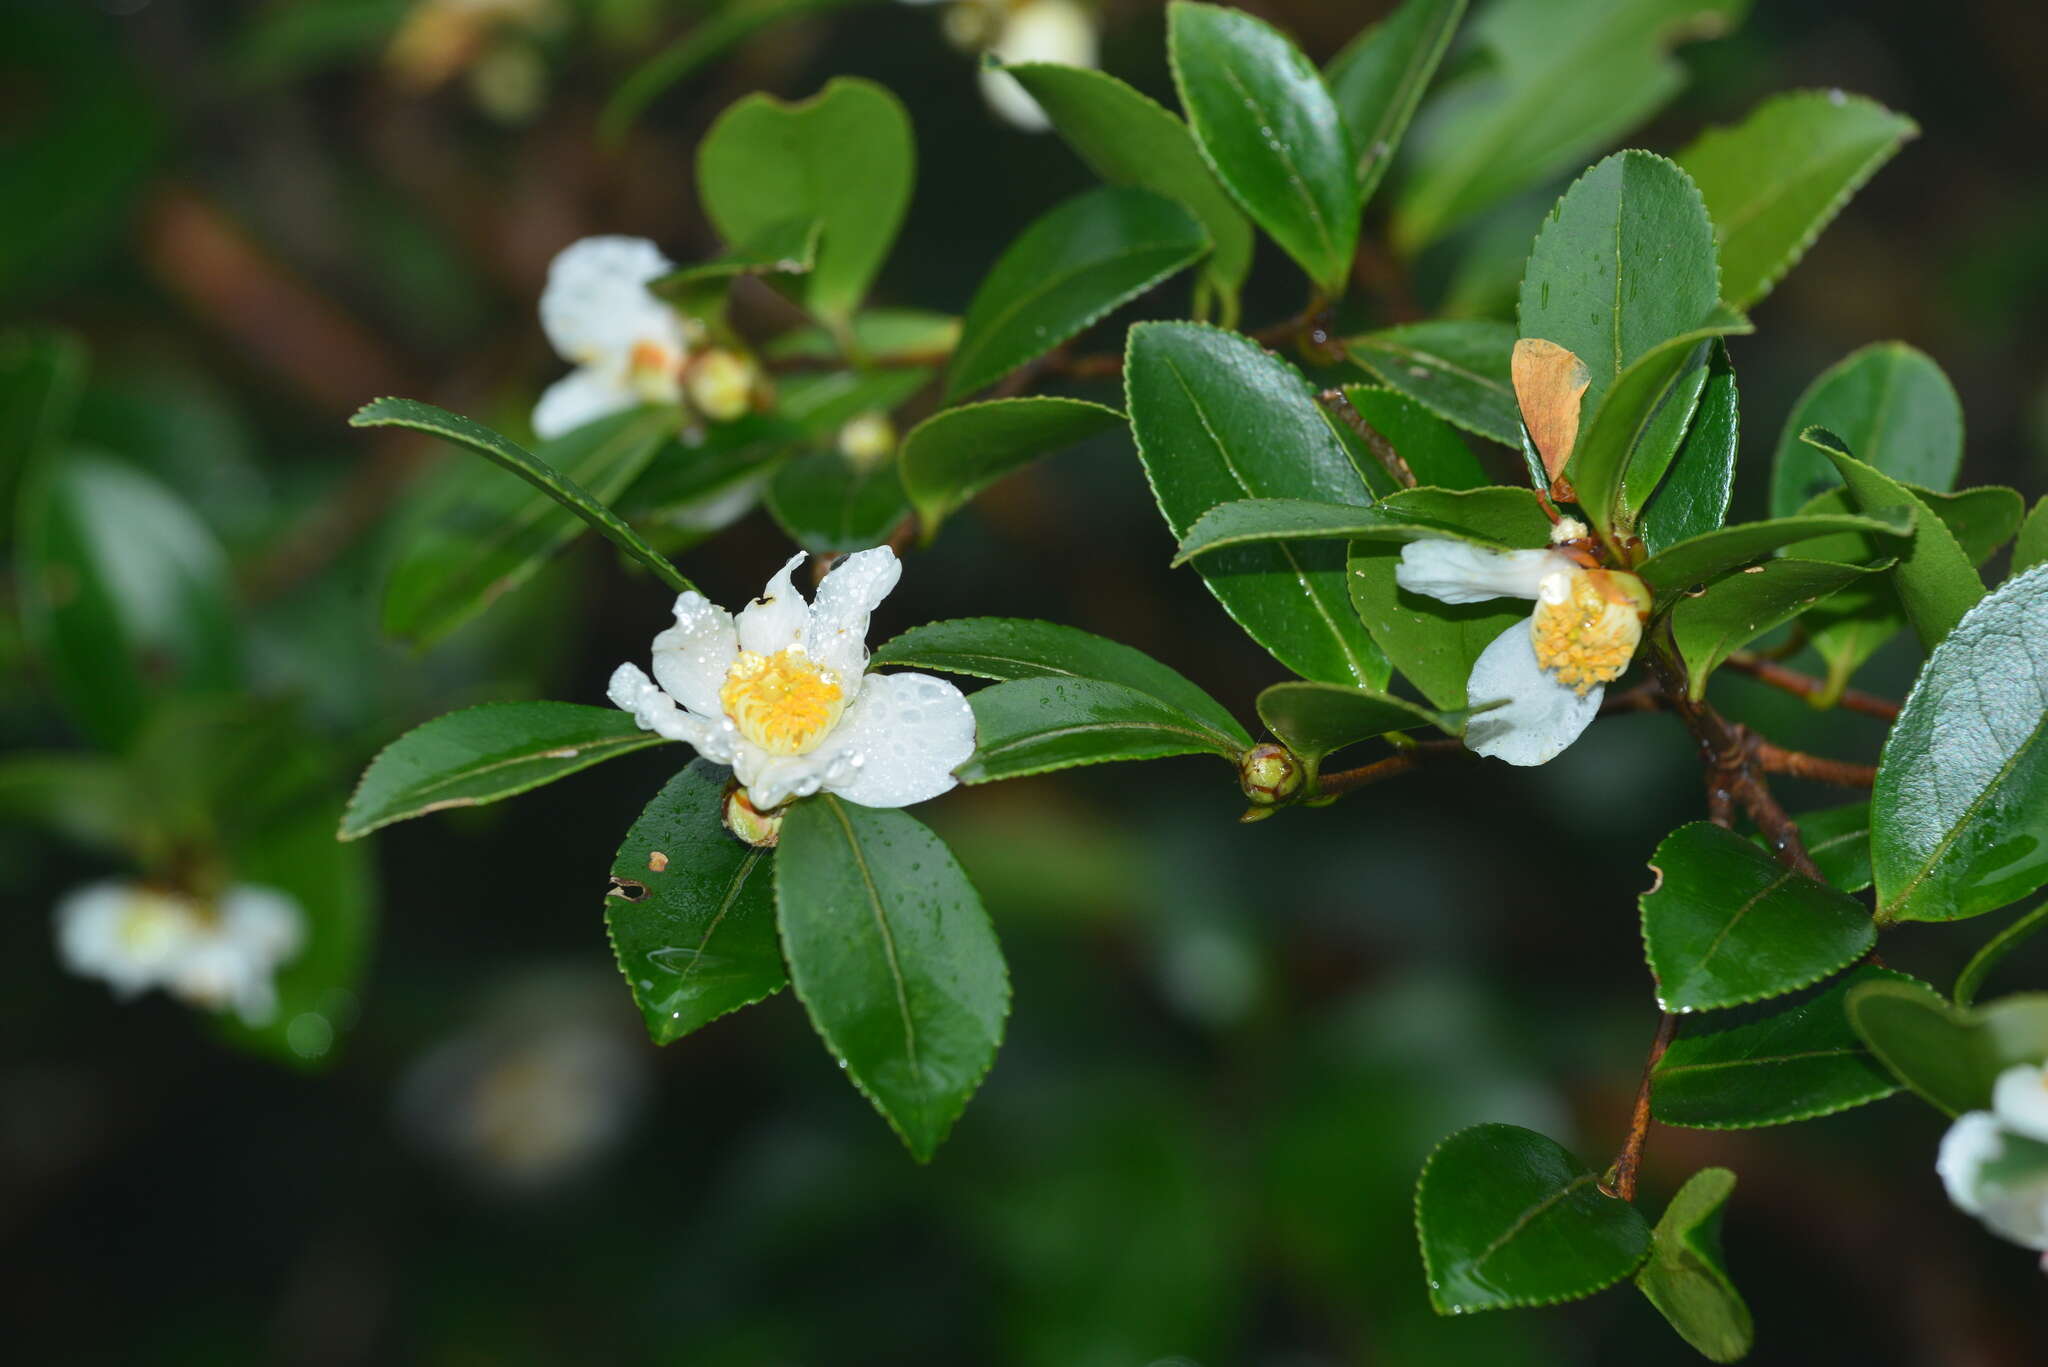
[(1549, 382)]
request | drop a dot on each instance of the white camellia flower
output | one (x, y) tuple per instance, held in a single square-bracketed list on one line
[(1552, 671), (216, 956), (2020, 1101), (1016, 31), (1998, 1174), (628, 347), (780, 691)]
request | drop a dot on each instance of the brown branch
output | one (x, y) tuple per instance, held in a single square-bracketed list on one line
[(1806, 686), (1383, 450), (1773, 759), (1337, 784), (1620, 1181)]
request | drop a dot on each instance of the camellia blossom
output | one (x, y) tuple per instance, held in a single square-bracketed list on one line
[(628, 346), (1995, 1163), (219, 955), (780, 691), (1551, 672), (1017, 31)]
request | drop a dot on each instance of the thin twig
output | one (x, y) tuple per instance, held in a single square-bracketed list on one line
[(1383, 450), (1620, 1181), (1337, 784), (1806, 686), (1773, 759)]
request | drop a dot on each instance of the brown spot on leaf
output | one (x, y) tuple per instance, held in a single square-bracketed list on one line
[(656, 862), (1549, 382), (628, 889)]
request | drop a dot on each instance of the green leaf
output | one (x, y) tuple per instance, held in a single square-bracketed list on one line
[(893, 957), (956, 453), (1433, 644), (699, 290), (492, 446), (1217, 420), (1268, 128), (1727, 924), (2032, 547), (880, 336), (1950, 1056), (125, 595), (1838, 841), (87, 798), (686, 477), (1509, 1218), (480, 754), (1098, 250), (1707, 557), (1685, 1277), (477, 535), (1378, 79), (1036, 725), (1255, 521), (1315, 719), (825, 503), (1775, 180), (1892, 406), (1624, 264), (703, 43), (1436, 455), (1006, 648), (1693, 497), (2023, 928), (822, 402), (1738, 608), (42, 373), (691, 911), (1935, 578), (1796, 1064), (1456, 368), (1128, 139), (844, 157), (1558, 81), (1960, 811)]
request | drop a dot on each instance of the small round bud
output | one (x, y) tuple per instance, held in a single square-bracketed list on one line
[(1568, 529), (1270, 775), (867, 440), (757, 828), (720, 384)]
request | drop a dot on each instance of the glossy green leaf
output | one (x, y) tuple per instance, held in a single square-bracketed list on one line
[(1775, 180), (1268, 128), (1435, 454), (893, 957), (1421, 515), (480, 754), (844, 157), (1795, 1064), (1685, 1277), (1707, 557), (1950, 1056), (826, 503), (698, 290), (1315, 719), (1128, 139), (1004, 648), (1378, 80), (1934, 576), (1838, 841), (691, 911), (1509, 1218), (1726, 923), (1960, 810), (125, 596), (1456, 368), (824, 401), (1738, 608), (476, 535), (2031, 548), (956, 453), (1433, 644), (1893, 407), (1693, 497), (1036, 725), (496, 448), (1559, 81), (1217, 420), (1074, 264), (2022, 929)]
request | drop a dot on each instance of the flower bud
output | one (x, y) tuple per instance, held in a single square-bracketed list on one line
[(720, 384), (1271, 775), (867, 440), (760, 829)]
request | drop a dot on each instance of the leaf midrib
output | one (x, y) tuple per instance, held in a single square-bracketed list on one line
[(1051, 284), (874, 895)]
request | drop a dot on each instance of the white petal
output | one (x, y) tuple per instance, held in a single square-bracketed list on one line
[(691, 658), (837, 634), (122, 933), (1542, 716), (903, 737), (268, 925), (596, 306), (584, 395), (1970, 1143), (654, 710), (776, 620), (1037, 31), (2020, 1099), (771, 780), (1459, 572)]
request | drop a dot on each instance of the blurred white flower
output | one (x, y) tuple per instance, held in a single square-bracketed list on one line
[(2020, 1100), (781, 692), (628, 347), (219, 955), (1997, 1173), (1552, 671), (1014, 31)]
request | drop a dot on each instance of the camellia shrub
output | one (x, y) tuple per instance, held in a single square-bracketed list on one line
[(1461, 539)]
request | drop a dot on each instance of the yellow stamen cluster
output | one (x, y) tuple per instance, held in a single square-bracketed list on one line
[(1587, 625), (654, 372), (785, 703)]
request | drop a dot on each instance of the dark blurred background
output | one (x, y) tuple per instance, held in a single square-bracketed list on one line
[(1232, 1046)]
